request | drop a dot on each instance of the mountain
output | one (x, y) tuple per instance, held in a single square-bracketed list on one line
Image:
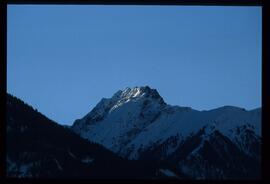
[(136, 123), (37, 147)]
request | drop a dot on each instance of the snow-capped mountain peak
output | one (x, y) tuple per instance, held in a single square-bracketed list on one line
[(133, 95), (137, 92), (135, 119), (127, 113)]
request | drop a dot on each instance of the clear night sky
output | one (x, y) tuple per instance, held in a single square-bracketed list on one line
[(63, 59)]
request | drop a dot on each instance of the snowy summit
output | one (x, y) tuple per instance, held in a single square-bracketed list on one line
[(135, 119)]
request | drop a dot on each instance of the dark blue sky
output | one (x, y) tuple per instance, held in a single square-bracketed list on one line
[(63, 59)]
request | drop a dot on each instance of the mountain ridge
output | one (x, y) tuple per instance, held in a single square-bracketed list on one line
[(137, 94), (136, 121)]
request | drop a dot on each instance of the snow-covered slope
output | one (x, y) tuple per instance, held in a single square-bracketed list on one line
[(137, 119), (116, 121)]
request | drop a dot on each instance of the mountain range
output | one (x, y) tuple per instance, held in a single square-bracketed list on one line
[(138, 129)]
